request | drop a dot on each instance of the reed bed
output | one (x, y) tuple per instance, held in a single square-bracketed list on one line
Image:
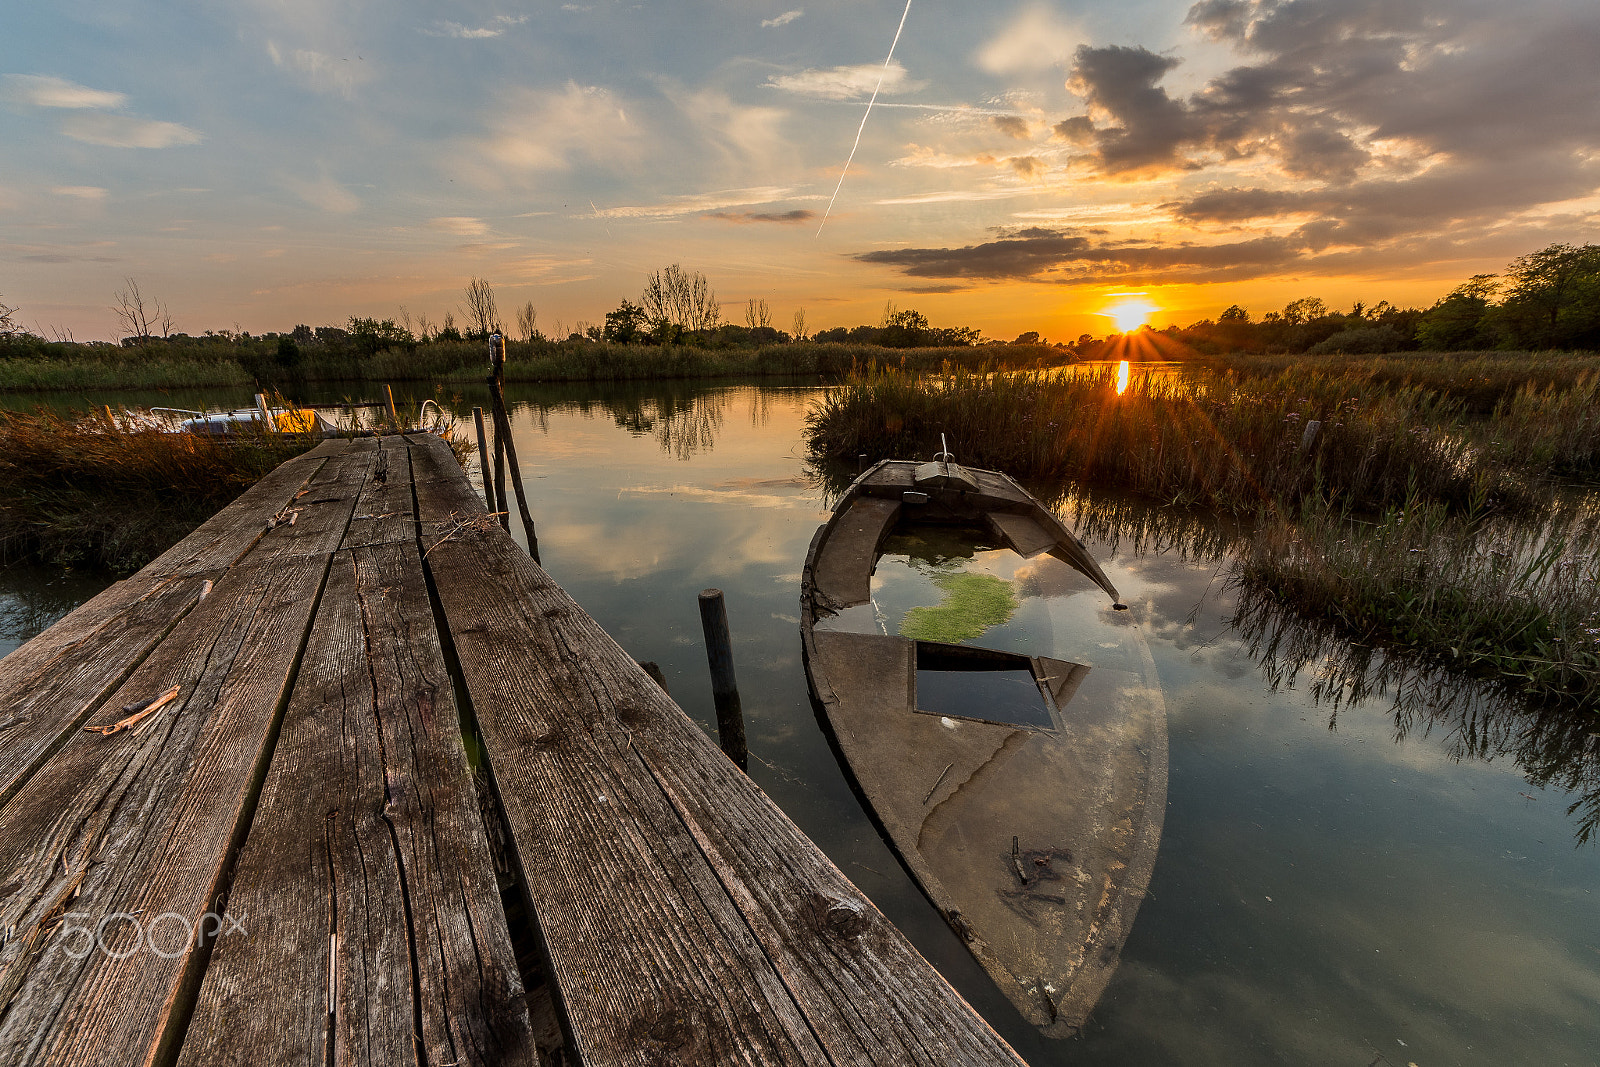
[(1480, 380), (26, 375), (81, 492), (1217, 440), (1516, 600)]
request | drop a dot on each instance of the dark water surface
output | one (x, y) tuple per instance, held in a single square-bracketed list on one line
[(1333, 887)]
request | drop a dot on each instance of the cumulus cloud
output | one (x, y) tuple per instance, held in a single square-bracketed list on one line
[(1332, 90), (38, 90), (843, 83), (795, 216), (1029, 167), (1035, 39), (126, 131), (1013, 126), (781, 20), (545, 130), (495, 27)]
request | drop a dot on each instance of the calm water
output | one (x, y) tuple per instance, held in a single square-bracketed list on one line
[(1342, 886)]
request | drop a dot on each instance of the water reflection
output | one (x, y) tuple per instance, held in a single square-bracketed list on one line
[(1474, 720)]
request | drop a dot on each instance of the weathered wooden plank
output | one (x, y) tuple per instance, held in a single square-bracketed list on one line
[(579, 703), (221, 540), (52, 683), (136, 828), (384, 514), (367, 844), (653, 961)]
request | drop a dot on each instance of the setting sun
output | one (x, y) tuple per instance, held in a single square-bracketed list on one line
[(1130, 311)]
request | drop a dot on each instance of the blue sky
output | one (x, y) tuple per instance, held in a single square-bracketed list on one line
[(270, 162)]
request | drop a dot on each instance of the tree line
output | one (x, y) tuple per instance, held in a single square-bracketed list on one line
[(1549, 299)]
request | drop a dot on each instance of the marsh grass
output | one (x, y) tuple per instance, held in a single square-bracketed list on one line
[(1515, 600), (82, 492), (1556, 747), (26, 375), (1219, 441)]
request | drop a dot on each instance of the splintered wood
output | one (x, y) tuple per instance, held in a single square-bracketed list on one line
[(238, 823)]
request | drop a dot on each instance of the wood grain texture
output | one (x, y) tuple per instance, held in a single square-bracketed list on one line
[(367, 844), (224, 538), (53, 682), (50, 685), (140, 825), (654, 865)]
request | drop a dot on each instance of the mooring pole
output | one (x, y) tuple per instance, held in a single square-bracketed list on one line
[(502, 429), (483, 459), (719, 651)]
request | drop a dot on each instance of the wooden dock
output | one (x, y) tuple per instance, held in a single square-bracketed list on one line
[(294, 860)]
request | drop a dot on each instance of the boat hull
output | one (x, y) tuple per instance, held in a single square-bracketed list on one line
[(1035, 839)]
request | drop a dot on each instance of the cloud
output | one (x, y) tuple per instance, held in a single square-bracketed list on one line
[(1029, 167), (1013, 126), (550, 130), (126, 131), (1044, 254), (782, 20), (1148, 126), (494, 28), (80, 192), (321, 72), (38, 90), (703, 203), (842, 83), (324, 193), (1033, 40), (797, 215), (460, 225)]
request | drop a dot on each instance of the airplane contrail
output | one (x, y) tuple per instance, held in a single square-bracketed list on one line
[(864, 114)]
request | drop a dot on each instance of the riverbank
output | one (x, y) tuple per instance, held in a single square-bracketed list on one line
[(240, 363)]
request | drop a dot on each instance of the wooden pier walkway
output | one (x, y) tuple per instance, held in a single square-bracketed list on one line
[(293, 860)]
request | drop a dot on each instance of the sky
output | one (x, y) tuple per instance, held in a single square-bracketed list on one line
[(255, 164)]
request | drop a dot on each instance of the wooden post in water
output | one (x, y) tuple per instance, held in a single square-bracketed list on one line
[(502, 431), (725, 690), (394, 415), (483, 459)]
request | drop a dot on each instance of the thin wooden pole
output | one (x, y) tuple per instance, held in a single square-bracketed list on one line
[(502, 429), (724, 688), (500, 476), (394, 415), (483, 459)]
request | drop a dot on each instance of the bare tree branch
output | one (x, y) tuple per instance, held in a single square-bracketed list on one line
[(481, 308)]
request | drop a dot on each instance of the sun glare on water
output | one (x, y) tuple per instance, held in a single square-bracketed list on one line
[(1122, 377), (1130, 311)]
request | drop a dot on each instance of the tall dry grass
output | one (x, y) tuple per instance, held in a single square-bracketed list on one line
[(79, 491), (1217, 440)]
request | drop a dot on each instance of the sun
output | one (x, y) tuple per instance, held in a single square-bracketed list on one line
[(1130, 311)]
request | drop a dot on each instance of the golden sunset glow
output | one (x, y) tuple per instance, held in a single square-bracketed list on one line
[(1122, 377), (1130, 311)]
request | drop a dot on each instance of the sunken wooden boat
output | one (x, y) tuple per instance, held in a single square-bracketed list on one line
[(1025, 794)]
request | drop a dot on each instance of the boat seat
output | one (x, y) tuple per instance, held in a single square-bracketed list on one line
[(843, 574), (1025, 537)]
